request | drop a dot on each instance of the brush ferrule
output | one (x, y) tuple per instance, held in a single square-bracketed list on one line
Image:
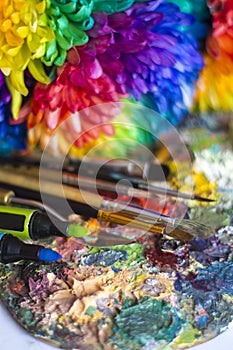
[(6, 196)]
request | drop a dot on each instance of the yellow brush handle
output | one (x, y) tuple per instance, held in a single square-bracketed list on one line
[(119, 219)]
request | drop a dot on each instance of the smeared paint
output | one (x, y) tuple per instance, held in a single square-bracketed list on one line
[(211, 292), (148, 320), (118, 256), (172, 253)]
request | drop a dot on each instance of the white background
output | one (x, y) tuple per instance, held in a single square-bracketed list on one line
[(12, 337)]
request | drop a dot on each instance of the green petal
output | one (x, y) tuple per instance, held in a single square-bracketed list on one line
[(64, 42), (79, 37), (68, 8), (81, 15), (112, 6), (61, 58)]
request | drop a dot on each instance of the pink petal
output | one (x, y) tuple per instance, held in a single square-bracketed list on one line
[(52, 118), (95, 69)]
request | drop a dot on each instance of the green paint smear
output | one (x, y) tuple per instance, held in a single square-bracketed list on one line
[(187, 337), (75, 230), (26, 317), (134, 254), (149, 320)]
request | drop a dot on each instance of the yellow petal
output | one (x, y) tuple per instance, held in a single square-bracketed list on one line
[(46, 35), (19, 5), (7, 9), (12, 39), (23, 57), (6, 25), (15, 17), (6, 71), (33, 42), (16, 99), (17, 81), (11, 51), (22, 31), (41, 6), (6, 63), (37, 70)]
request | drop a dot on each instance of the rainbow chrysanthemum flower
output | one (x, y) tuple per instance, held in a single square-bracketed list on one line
[(139, 53), (214, 87)]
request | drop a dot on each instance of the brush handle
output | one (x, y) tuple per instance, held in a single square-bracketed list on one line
[(51, 188), (119, 219)]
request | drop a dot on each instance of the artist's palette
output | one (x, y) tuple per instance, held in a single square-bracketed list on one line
[(127, 297), (13, 336), (156, 294)]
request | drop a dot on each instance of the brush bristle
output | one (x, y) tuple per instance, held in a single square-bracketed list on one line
[(203, 199), (195, 228)]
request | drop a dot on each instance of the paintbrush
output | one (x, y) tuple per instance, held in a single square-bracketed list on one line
[(140, 190), (111, 211), (109, 174), (121, 170), (143, 190), (140, 184)]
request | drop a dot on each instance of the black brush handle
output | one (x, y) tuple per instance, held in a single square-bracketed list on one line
[(57, 202)]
